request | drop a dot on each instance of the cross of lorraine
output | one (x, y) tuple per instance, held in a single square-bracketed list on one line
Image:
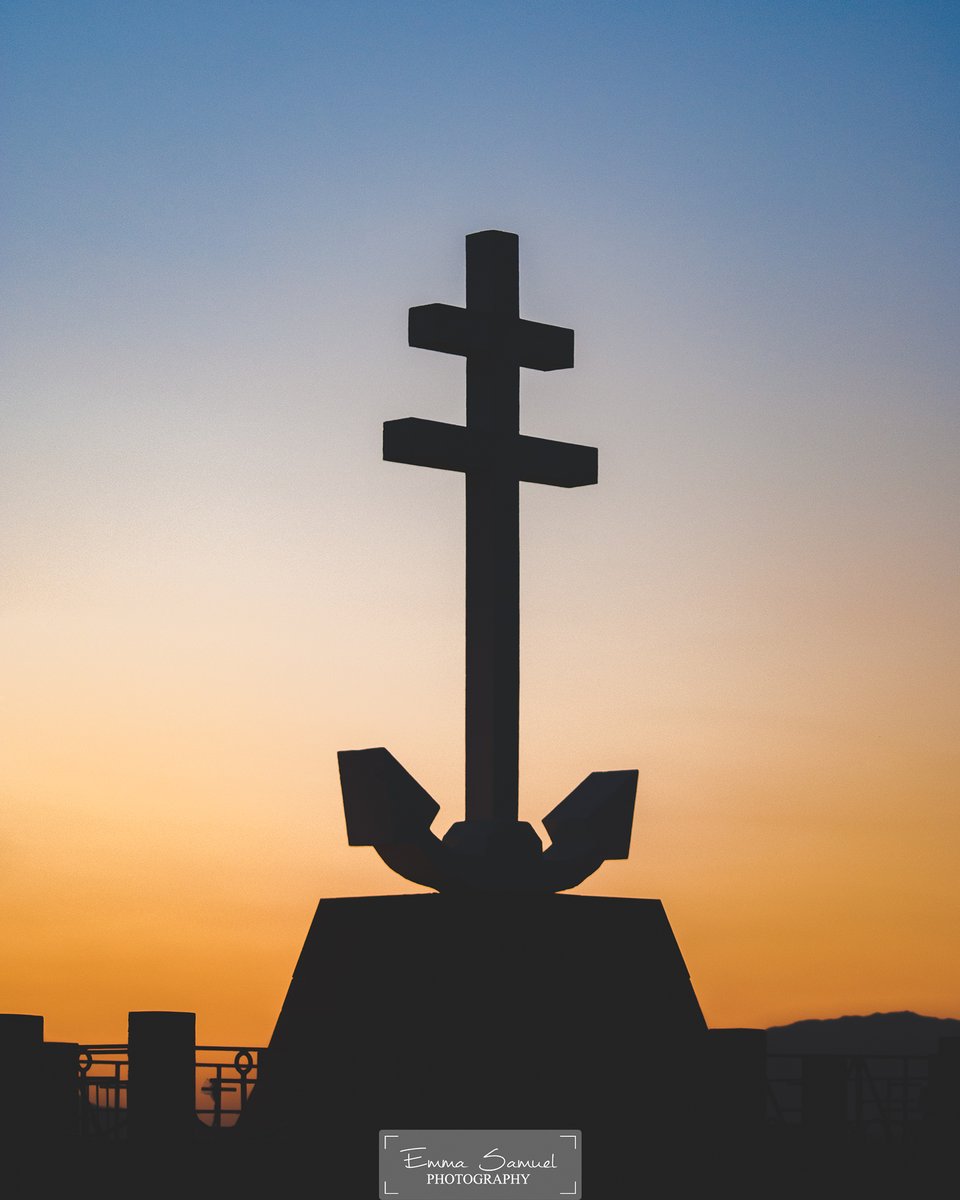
[(491, 850)]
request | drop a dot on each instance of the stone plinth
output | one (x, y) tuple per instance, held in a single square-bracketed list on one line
[(439, 1011)]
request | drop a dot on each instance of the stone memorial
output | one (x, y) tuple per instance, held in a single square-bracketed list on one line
[(492, 1002)]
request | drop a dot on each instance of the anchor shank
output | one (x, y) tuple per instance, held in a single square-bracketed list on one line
[(492, 600)]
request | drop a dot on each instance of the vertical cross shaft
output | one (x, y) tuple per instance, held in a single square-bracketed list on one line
[(494, 458), (493, 541)]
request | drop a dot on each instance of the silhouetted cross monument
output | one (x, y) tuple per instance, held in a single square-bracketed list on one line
[(385, 807), (494, 1004)]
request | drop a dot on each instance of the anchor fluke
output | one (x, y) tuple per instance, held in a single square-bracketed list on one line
[(386, 808), (597, 816), (383, 803)]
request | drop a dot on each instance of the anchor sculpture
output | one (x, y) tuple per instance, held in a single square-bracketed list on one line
[(385, 807)]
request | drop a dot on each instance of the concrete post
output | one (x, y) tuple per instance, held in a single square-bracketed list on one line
[(161, 1086), (738, 1067), (60, 1091), (944, 1089), (21, 1042)]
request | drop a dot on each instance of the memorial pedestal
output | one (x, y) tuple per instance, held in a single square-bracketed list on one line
[(464, 1012)]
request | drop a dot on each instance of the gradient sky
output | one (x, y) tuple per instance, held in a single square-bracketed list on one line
[(215, 218)]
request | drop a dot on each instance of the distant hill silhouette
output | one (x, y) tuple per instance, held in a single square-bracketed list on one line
[(879, 1033)]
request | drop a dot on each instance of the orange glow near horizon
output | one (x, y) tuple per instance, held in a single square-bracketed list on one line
[(171, 850)]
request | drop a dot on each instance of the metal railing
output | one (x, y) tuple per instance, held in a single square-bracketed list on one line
[(875, 1096), (236, 1076), (882, 1095), (103, 1089), (225, 1079)]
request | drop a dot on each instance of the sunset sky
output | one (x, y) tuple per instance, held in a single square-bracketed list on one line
[(215, 217)]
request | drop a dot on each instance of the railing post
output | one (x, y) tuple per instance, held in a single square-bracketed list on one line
[(738, 1070), (161, 1081), (21, 1043), (823, 1091)]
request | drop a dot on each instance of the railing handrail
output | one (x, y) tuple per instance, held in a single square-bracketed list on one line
[(844, 1054), (235, 1046)]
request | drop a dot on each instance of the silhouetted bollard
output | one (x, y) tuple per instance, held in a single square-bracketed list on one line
[(60, 1089), (738, 1070), (21, 1041), (823, 1091), (944, 1089), (161, 1084)]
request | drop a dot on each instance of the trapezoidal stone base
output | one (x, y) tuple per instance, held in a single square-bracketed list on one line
[(461, 1012)]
